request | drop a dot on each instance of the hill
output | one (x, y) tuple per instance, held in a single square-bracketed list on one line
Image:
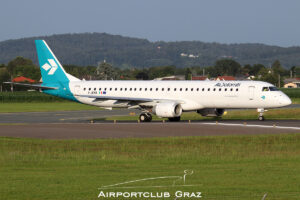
[(90, 48)]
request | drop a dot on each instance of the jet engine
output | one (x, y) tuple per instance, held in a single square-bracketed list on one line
[(211, 112), (169, 109)]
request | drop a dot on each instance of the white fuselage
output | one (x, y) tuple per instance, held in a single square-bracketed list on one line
[(192, 95)]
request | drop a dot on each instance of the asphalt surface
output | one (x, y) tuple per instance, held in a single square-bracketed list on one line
[(61, 116), (77, 125), (157, 129), (70, 116)]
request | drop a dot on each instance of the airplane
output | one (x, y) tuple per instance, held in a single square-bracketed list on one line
[(165, 99)]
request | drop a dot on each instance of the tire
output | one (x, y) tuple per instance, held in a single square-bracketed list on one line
[(145, 117), (149, 117), (261, 118), (174, 119)]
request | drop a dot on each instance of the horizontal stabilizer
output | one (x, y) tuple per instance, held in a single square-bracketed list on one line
[(36, 86)]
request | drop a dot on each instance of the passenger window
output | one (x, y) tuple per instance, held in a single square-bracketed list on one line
[(121, 89), (89, 88), (140, 89), (145, 89), (125, 89), (156, 89), (186, 89), (208, 89), (105, 89), (202, 89), (265, 89), (116, 89), (162, 89), (134, 89), (168, 89), (110, 89), (95, 88), (180, 89), (192, 89), (237, 89), (175, 89), (220, 89), (130, 89), (225, 89), (99, 89), (214, 89), (197, 89), (150, 89), (231, 89), (84, 89)]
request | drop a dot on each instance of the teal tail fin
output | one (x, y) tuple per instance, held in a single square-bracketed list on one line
[(51, 69), (53, 74)]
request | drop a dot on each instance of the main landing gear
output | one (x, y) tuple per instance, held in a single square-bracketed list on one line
[(145, 117), (261, 114)]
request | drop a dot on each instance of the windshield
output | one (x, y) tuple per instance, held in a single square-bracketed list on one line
[(270, 89), (274, 89)]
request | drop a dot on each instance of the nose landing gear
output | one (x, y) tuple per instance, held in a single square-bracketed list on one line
[(261, 114)]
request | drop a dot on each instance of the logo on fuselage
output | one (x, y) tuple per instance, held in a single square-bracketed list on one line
[(52, 66)]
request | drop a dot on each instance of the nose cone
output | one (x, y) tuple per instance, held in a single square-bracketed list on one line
[(285, 100)]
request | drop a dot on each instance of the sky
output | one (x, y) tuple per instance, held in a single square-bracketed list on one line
[(273, 22)]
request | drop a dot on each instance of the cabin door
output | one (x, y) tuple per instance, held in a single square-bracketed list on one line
[(77, 89), (251, 92)]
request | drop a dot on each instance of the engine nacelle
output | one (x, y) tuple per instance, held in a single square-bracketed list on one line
[(211, 112), (167, 109)]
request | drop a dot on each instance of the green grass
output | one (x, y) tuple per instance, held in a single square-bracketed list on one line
[(229, 167), (24, 96), (286, 114), (44, 107), (296, 100)]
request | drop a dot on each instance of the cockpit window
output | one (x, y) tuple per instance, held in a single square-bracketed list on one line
[(270, 89), (274, 89), (265, 89)]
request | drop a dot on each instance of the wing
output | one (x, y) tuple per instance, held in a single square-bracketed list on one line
[(36, 86), (131, 99)]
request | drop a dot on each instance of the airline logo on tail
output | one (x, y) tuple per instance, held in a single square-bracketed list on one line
[(51, 65)]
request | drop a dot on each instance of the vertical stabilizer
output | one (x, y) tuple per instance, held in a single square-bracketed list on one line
[(51, 69), (53, 74)]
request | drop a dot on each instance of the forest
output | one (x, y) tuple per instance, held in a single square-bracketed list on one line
[(88, 49)]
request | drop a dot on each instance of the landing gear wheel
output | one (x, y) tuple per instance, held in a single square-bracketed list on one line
[(174, 119), (145, 117), (149, 117), (261, 118)]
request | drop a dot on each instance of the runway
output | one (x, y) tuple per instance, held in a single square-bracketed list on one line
[(77, 125), (61, 116), (144, 130), (70, 116)]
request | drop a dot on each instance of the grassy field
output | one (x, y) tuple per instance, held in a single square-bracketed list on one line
[(296, 100), (25, 96), (44, 107), (286, 114), (231, 167)]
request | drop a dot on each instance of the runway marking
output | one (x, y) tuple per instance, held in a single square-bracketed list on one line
[(255, 125)]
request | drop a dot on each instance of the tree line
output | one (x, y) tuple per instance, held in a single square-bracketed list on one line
[(274, 74), (127, 52)]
